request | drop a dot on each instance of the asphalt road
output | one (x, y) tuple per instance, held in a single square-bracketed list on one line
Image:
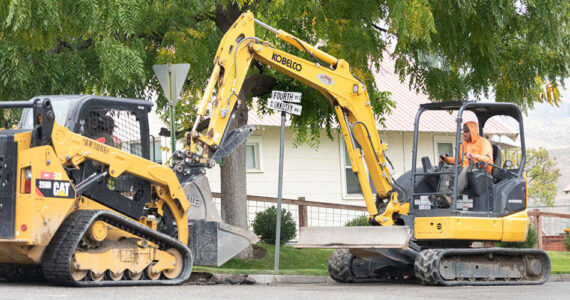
[(550, 290)]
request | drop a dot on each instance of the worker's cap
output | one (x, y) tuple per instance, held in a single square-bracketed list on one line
[(108, 122)]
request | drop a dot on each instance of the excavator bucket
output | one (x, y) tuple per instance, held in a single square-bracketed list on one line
[(212, 241)]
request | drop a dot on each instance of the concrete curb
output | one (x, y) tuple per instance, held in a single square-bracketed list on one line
[(290, 279), (301, 279), (559, 277)]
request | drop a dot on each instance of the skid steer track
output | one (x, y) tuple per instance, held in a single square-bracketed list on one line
[(57, 259), (482, 266)]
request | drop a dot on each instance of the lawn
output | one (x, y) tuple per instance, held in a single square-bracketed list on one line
[(560, 262), (314, 262), (291, 261)]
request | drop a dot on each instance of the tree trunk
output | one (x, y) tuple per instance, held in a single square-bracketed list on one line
[(233, 183), (232, 171)]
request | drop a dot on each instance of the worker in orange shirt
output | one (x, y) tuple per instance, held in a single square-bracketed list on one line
[(474, 148)]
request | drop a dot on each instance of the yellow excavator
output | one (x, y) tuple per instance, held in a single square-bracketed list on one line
[(416, 237), (81, 201)]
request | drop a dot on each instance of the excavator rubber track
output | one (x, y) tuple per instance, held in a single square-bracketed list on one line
[(341, 263), (482, 266), (57, 258)]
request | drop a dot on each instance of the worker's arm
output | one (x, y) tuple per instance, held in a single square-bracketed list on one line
[(449, 159), (486, 152), (331, 76)]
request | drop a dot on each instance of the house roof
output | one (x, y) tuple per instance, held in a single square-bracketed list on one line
[(403, 115)]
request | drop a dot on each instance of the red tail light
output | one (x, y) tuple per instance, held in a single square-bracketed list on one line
[(27, 180)]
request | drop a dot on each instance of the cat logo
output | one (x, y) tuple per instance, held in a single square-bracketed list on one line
[(61, 189), (54, 189)]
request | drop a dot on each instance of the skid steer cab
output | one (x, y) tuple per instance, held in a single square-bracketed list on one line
[(84, 202)]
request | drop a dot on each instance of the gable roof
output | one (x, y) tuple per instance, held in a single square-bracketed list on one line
[(403, 115)]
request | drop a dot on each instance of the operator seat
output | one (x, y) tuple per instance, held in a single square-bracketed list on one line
[(497, 160)]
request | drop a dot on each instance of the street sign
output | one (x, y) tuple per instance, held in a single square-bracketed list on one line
[(293, 97), (283, 106), (171, 78), (278, 101)]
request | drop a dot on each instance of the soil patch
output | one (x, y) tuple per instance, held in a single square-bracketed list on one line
[(258, 252)]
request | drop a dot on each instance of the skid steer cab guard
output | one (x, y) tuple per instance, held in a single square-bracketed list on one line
[(494, 189)]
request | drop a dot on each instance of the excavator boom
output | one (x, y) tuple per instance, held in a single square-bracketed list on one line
[(345, 92)]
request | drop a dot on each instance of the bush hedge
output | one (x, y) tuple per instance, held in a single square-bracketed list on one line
[(265, 221), (358, 221)]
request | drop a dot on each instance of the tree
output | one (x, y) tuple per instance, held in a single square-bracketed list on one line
[(541, 175), (449, 49)]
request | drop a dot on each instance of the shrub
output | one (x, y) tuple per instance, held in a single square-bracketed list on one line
[(530, 242), (358, 221), (265, 221), (567, 242)]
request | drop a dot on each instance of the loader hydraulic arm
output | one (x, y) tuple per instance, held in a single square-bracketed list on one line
[(345, 92)]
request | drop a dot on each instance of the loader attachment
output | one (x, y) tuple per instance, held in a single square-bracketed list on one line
[(212, 241), (363, 237)]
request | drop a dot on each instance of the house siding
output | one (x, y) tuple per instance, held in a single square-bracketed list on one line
[(317, 174)]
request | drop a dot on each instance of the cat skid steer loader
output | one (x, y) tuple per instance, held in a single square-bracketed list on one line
[(82, 205), (415, 237)]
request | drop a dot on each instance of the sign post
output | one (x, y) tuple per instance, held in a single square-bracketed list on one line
[(276, 102), (171, 78)]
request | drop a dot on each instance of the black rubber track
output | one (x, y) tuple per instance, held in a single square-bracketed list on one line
[(426, 266), (340, 269), (339, 266), (57, 257)]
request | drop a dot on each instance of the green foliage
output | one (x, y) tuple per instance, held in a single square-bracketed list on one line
[(448, 48), (358, 221), (541, 175), (559, 262), (530, 242), (504, 47), (567, 242), (265, 221)]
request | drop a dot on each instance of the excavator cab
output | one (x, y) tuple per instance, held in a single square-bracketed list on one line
[(493, 189)]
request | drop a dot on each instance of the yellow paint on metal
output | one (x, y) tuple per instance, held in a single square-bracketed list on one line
[(509, 228), (72, 149), (97, 232), (39, 214), (116, 257), (515, 227)]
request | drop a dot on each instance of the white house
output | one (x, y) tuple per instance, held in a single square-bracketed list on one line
[(325, 174)]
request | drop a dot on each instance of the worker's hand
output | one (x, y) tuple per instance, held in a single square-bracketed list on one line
[(441, 158), (469, 155)]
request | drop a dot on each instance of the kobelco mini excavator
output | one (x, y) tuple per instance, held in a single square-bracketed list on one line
[(416, 237)]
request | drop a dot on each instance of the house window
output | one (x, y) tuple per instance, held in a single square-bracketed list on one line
[(445, 148), (253, 161), (351, 183), (443, 144), (155, 151)]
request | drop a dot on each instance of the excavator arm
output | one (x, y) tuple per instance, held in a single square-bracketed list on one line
[(345, 92)]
